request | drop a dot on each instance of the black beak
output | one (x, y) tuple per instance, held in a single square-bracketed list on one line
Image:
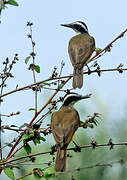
[(86, 96), (67, 25)]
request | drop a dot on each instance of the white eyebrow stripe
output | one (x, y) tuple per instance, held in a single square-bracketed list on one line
[(81, 24), (69, 95)]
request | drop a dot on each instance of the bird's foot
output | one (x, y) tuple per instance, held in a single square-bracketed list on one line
[(53, 149), (77, 148), (89, 71)]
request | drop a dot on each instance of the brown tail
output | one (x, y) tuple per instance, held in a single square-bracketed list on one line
[(60, 165), (77, 78)]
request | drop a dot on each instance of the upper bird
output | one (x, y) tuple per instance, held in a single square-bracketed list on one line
[(80, 49)]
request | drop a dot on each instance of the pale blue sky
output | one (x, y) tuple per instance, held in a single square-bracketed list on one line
[(105, 20)]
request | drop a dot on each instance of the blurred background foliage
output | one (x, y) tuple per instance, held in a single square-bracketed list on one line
[(107, 128)]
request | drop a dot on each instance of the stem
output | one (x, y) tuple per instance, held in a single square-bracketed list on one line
[(62, 77), (109, 45), (33, 69), (21, 177), (0, 135)]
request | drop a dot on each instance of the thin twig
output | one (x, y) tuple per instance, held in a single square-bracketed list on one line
[(121, 161), (21, 177), (11, 114), (109, 45), (33, 58)]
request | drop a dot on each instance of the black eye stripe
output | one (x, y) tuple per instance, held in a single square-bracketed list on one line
[(71, 99), (79, 28)]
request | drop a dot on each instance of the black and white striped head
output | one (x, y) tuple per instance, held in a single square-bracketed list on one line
[(78, 26), (71, 98)]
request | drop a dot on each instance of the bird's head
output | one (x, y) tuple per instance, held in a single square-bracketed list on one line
[(71, 98), (78, 26)]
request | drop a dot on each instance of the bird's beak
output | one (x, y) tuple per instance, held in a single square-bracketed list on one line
[(86, 96), (67, 25)]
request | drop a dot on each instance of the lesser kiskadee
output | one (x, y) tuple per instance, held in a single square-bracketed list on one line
[(64, 123), (80, 49)]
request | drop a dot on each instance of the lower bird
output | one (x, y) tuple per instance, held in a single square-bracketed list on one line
[(64, 123), (80, 48)]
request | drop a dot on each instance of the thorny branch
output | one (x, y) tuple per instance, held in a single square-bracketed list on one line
[(93, 145), (62, 77)]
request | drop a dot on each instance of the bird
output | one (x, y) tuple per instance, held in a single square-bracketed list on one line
[(80, 48), (64, 123)]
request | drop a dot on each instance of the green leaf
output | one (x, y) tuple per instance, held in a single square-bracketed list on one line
[(61, 86), (31, 109), (45, 83), (37, 68), (98, 50), (25, 136), (12, 2), (48, 175), (27, 148), (9, 173), (81, 122), (27, 59), (36, 141), (42, 139)]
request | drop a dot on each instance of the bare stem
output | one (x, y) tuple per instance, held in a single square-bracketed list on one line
[(33, 69)]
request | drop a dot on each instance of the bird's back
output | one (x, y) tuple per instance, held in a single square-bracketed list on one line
[(81, 48), (62, 122)]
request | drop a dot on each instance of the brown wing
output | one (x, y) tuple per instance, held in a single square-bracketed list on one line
[(80, 49), (64, 123)]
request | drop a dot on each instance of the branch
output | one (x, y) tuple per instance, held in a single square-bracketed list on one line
[(107, 48), (11, 114), (93, 145), (62, 77), (121, 161)]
